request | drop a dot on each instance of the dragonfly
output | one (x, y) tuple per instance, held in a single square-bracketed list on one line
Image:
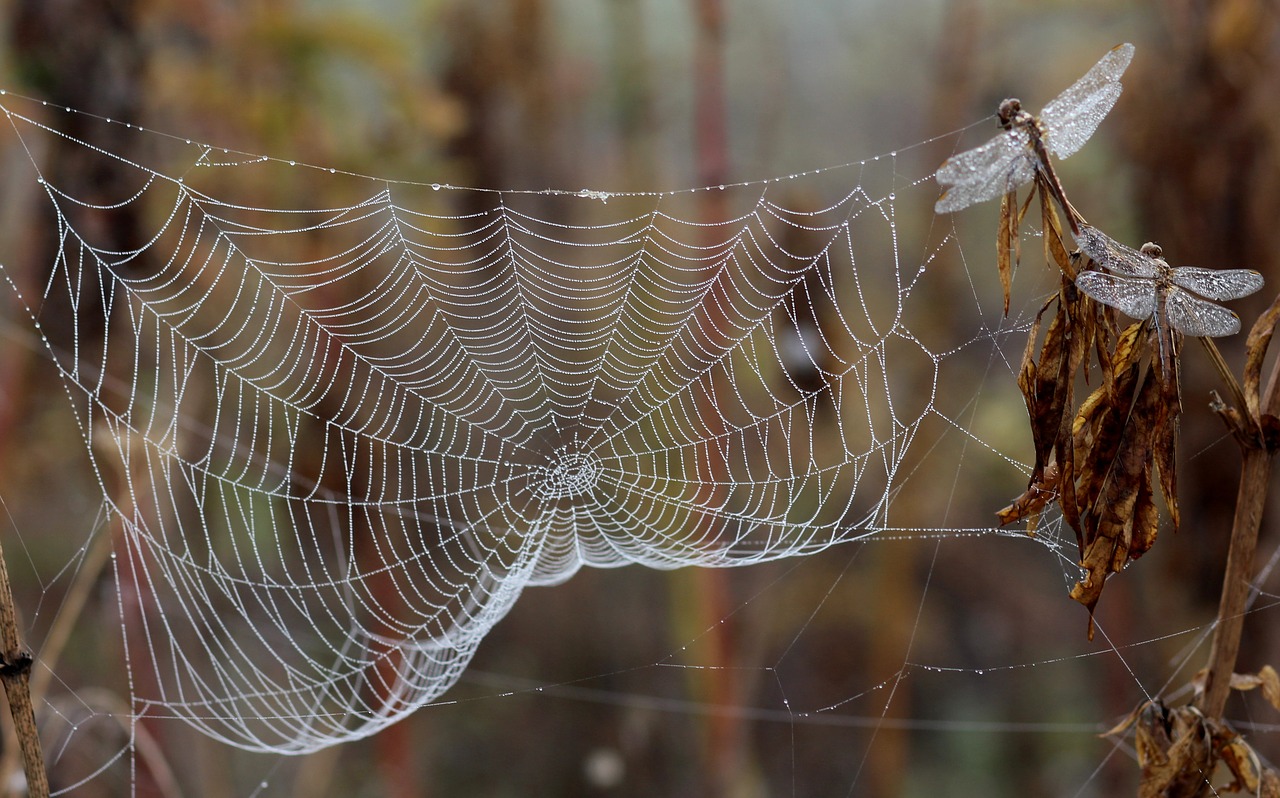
[(1140, 283), (1011, 159)]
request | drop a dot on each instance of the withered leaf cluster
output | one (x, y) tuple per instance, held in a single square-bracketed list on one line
[(1180, 748), (1103, 458)]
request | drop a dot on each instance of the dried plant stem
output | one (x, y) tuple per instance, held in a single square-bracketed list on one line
[(1255, 473), (15, 672), (1250, 501)]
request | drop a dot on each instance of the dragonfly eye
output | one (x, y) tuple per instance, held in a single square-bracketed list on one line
[(1009, 109), (1151, 250)]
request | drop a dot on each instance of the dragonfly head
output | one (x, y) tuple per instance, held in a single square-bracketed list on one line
[(1009, 110)]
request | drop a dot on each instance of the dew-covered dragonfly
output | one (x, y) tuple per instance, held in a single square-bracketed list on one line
[(1011, 159), (1141, 284)]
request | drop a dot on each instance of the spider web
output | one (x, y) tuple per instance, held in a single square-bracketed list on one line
[(340, 441)]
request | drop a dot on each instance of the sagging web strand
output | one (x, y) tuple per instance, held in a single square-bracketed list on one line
[(342, 440)]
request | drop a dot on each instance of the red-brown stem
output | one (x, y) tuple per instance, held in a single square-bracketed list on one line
[(15, 672), (1251, 499)]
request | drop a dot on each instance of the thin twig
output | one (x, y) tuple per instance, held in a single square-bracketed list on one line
[(1233, 385), (15, 672)]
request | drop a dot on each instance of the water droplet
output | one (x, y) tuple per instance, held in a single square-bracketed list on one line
[(722, 186), (293, 163), (332, 170), (188, 141), (893, 154), (435, 186)]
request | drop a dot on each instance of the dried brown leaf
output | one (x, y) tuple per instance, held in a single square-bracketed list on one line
[(1085, 429), (1007, 244), (1027, 369), (1037, 392), (1175, 751), (1121, 522), (1239, 758), (1039, 493), (1178, 750), (1266, 678), (1068, 501), (1146, 520), (1123, 362), (1080, 327), (1129, 721), (1098, 432), (1054, 391), (1270, 786), (1054, 251)]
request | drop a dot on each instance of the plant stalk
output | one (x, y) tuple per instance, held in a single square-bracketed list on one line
[(1251, 499), (15, 672)]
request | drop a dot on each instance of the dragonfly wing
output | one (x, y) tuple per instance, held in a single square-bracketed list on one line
[(1114, 256), (983, 173), (1073, 116), (1219, 284), (1192, 315), (1132, 296)]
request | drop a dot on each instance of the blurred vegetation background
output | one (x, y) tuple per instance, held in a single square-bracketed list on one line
[(651, 95)]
